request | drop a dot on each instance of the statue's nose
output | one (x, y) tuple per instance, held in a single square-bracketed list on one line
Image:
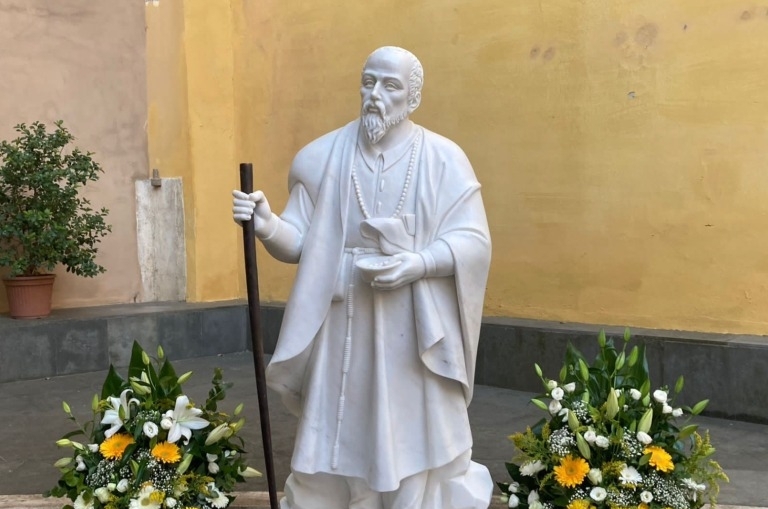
[(376, 92)]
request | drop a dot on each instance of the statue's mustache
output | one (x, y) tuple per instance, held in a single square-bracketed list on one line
[(374, 106)]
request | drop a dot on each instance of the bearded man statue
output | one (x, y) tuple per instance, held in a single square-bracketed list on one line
[(379, 366)]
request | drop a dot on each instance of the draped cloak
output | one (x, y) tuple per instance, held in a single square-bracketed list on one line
[(444, 316)]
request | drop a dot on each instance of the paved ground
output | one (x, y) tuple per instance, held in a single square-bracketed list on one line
[(31, 420)]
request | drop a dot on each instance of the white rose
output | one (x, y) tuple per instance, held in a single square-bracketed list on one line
[(166, 423), (122, 486), (111, 486), (513, 501), (617, 392), (170, 502), (558, 393), (533, 496), (536, 504), (80, 466), (513, 487), (80, 503), (531, 468), (102, 494), (551, 384), (590, 436), (93, 447), (646, 497), (666, 409), (150, 429), (598, 494), (635, 394), (602, 442), (677, 412), (554, 407), (570, 387), (213, 468), (660, 396), (644, 438), (595, 476)]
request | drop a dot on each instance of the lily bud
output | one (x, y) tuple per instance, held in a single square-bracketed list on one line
[(183, 378), (633, 355), (237, 426), (184, 465), (583, 446), (620, 361), (612, 405), (63, 462), (95, 403), (160, 352), (140, 389), (573, 421), (644, 425), (66, 408), (238, 409), (249, 472), (64, 442), (145, 358), (219, 432)]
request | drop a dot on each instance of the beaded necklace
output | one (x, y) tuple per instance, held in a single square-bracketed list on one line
[(406, 185)]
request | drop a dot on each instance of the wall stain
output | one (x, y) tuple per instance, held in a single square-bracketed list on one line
[(746, 15), (646, 34), (535, 51), (549, 54)]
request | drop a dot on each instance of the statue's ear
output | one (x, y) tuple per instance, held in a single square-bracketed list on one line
[(414, 101)]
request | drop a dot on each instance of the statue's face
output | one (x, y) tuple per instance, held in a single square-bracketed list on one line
[(384, 92)]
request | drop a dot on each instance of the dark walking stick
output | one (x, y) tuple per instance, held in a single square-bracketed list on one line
[(257, 343)]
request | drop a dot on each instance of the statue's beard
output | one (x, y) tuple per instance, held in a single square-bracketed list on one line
[(377, 123)]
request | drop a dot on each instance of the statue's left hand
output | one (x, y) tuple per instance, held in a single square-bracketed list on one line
[(410, 269)]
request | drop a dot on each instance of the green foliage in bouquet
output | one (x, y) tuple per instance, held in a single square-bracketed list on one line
[(148, 447), (610, 441)]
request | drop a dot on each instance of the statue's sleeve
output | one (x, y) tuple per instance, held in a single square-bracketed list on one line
[(287, 242)]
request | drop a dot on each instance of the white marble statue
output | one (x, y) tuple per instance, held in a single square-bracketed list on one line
[(376, 355)]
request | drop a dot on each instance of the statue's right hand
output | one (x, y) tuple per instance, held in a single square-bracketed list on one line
[(254, 205)]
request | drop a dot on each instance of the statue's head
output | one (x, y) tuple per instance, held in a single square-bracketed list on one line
[(390, 89)]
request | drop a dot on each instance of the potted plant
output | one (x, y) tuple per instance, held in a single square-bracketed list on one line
[(43, 219)]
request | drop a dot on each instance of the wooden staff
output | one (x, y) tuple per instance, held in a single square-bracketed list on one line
[(257, 343)]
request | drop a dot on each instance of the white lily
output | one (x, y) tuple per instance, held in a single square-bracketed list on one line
[(112, 415), (184, 418)]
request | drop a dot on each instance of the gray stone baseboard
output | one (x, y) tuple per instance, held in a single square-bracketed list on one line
[(729, 370)]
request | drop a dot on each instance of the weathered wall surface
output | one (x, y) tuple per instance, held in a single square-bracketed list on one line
[(620, 145), (84, 62)]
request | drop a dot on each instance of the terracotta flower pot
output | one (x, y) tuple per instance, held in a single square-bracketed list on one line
[(29, 296)]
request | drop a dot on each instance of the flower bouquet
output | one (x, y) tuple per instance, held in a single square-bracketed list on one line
[(610, 441), (149, 447)]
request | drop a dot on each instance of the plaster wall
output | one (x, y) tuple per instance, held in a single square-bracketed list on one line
[(84, 62), (620, 145)]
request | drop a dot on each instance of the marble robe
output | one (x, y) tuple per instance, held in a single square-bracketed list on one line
[(411, 357)]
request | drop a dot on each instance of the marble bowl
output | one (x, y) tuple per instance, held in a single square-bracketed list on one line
[(373, 266)]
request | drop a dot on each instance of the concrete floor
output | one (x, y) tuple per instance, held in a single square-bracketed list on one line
[(31, 420)]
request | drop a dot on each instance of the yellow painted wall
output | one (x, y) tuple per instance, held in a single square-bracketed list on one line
[(620, 144), (84, 62)]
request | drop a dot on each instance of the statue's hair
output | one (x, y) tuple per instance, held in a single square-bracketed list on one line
[(416, 76)]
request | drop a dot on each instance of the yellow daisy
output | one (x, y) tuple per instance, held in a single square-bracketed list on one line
[(571, 471), (580, 504), (660, 459), (114, 447), (166, 452)]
